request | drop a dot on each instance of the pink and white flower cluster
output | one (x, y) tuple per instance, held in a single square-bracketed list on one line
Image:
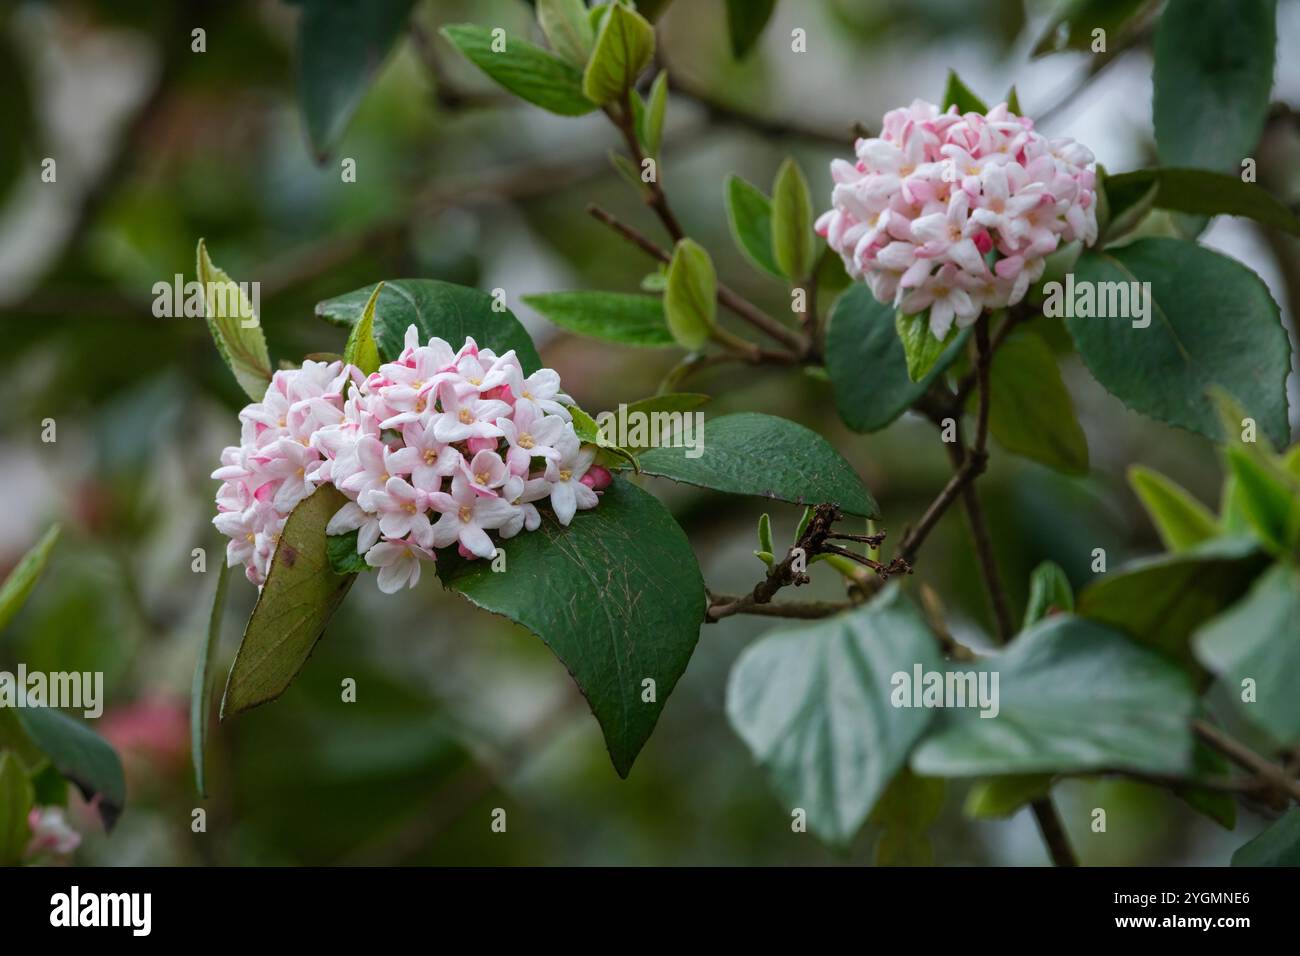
[(437, 448), (937, 192)]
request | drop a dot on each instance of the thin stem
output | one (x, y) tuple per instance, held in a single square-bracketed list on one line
[(1246, 758), (725, 605)]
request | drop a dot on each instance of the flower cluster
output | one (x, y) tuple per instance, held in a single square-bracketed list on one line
[(956, 213), (434, 449)]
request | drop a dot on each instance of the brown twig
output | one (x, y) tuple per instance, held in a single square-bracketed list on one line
[(1247, 759), (656, 198)]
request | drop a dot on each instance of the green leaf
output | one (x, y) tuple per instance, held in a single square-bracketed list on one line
[(921, 349), (81, 755), (959, 94), (1161, 601), (1269, 500), (749, 213), (362, 350), (1013, 101), (341, 45), (343, 556), (1218, 806), (690, 298), (1073, 695), (753, 454), (1258, 638), (1001, 797), (1279, 845), (905, 812), (745, 22), (20, 582), (201, 686), (1181, 521), (568, 29), (15, 804), (1212, 77), (1071, 26), (792, 223), (609, 316), (1204, 193), (1030, 412), (624, 47), (1049, 593), (765, 533), (451, 312), (1122, 205), (235, 328), (652, 133), (810, 702), (617, 596), (300, 596), (1212, 322), (868, 365), (528, 71)]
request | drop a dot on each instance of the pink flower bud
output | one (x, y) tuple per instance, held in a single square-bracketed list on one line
[(597, 478)]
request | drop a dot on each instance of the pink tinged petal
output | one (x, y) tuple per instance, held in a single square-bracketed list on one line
[(564, 501), (476, 540)]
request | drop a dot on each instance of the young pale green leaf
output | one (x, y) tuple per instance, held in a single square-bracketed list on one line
[(811, 703), (690, 299), (568, 29), (301, 594), (20, 582), (867, 363), (1072, 696), (528, 71), (624, 46), (1278, 845), (235, 327), (959, 94), (609, 316), (792, 222), (1030, 411), (362, 350), (15, 804), (340, 49), (1210, 321), (1001, 797), (745, 22), (1161, 601), (1049, 593), (1200, 192), (1269, 500), (749, 214), (921, 349), (617, 595), (652, 125), (905, 812), (80, 755), (766, 456), (1256, 639), (450, 312), (1181, 521), (1072, 26), (765, 533), (201, 686)]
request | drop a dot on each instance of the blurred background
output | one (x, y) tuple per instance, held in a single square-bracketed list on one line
[(459, 712)]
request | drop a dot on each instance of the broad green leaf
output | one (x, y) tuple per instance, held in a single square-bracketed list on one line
[(341, 45), (868, 366), (652, 132), (1204, 193), (451, 312), (1258, 638), (1031, 412), (22, 579), (745, 22), (300, 596), (749, 213), (1161, 601), (999, 797), (1218, 806), (235, 328), (617, 596), (690, 298), (958, 94), (201, 686), (342, 552), (528, 71), (792, 223), (1122, 204), (1212, 322), (1212, 77), (1070, 28), (1279, 845), (362, 350), (832, 277), (753, 454), (568, 29), (1269, 500), (1181, 521), (609, 316), (624, 46), (1049, 593), (81, 755), (905, 812), (15, 804), (811, 703), (921, 349), (1072, 695)]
